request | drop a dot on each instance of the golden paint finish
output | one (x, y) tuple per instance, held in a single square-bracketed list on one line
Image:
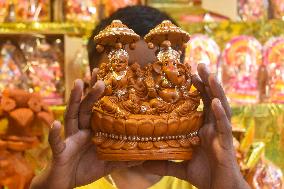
[(146, 113)]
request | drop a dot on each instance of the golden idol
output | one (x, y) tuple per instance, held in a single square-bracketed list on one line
[(148, 113)]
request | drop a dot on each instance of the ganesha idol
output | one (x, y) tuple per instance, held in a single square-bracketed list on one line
[(149, 113)]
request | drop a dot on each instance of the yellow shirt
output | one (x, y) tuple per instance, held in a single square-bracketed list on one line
[(164, 183)]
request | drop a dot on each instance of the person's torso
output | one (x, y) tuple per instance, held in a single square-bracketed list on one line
[(165, 183)]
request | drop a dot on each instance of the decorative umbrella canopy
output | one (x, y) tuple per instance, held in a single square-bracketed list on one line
[(167, 31), (115, 33)]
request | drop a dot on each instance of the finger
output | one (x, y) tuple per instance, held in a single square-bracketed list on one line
[(87, 104), (218, 92), (72, 110), (205, 95), (94, 77), (203, 73), (55, 141), (200, 86), (224, 130), (166, 168)]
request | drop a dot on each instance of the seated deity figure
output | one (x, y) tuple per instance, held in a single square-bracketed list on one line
[(122, 92), (172, 84)]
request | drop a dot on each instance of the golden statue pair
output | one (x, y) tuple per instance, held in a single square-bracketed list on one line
[(146, 113)]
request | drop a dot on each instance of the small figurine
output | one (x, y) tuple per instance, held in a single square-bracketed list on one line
[(265, 175), (202, 49), (145, 113), (15, 171), (11, 62), (173, 82), (117, 75), (240, 61), (252, 10), (26, 114), (277, 8), (274, 61)]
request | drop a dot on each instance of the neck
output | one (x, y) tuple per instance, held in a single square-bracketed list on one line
[(137, 177)]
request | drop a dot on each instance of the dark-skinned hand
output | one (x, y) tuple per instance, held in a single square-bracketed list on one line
[(74, 160), (213, 165)]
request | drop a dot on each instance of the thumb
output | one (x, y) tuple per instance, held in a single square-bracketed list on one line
[(55, 141), (195, 171), (94, 77)]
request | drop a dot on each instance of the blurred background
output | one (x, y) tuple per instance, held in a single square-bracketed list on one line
[(43, 49)]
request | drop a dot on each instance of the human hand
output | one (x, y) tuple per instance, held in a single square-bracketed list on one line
[(74, 160), (213, 164)]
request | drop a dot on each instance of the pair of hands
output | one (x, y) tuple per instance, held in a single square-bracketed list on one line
[(75, 162)]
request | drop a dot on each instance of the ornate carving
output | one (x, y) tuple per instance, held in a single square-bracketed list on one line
[(151, 112), (26, 114)]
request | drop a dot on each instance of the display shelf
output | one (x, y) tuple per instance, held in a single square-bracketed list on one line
[(220, 31), (78, 29), (223, 31)]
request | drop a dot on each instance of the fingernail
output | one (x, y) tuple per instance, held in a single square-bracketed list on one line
[(54, 124), (217, 79), (98, 83), (217, 102), (94, 71), (213, 77), (78, 83), (205, 66), (75, 83)]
